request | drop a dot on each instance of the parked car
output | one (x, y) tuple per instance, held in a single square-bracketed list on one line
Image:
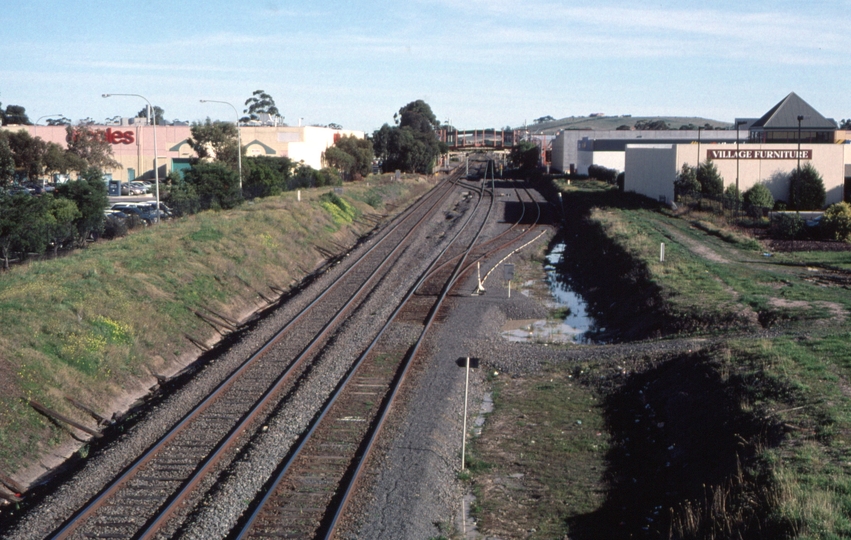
[(145, 213), (130, 189), (143, 187)]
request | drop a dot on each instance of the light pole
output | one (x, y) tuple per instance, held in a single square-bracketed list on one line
[(238, 139), (738, 123), (800, 118), (40, 118), (156, 162)]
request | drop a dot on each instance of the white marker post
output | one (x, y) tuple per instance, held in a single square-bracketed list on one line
[(662, 253), (464, 433), (299, 195)]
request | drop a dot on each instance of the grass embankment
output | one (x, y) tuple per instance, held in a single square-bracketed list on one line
[(95, 325), (747, 437)]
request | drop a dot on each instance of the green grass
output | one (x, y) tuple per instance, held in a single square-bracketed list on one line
[(92, 324), (764, 423), (550, 417)]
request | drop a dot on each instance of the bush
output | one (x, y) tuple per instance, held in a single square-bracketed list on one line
[(711, 182), (686, 182), (806, 189), (787, 226), (757, 198), (217, 185), (837, 222), (603, 174)]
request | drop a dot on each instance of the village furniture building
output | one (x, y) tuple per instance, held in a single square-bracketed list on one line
[(132, 143), (772, 153)]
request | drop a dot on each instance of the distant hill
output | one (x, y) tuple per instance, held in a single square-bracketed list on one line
[(602, 123)]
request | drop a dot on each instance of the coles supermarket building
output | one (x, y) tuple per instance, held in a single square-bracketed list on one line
[(132, 141)]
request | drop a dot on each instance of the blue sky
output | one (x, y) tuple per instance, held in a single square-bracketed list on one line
[(478, 63)]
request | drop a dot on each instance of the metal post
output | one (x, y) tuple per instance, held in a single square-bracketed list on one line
[(238, 138), (464, 432), (800, 117), (156, 161)]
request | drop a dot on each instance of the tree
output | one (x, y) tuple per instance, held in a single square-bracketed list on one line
[(217, 185), (543, 119), (217, 140), (15, 115), (158, 114), (418, 116), (259, 102), (88, 149), (89, 193), (352, 156), (22, 220), (651, 125), (845, 124), (686, 182), (758, 197), (62, 121), (56, 160), (524, 155), (61, 215), (29, 154), (7, 162), (711, 183), (806, 189), (412, 145)]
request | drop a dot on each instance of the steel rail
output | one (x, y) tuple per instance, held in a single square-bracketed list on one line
[(83, 514)]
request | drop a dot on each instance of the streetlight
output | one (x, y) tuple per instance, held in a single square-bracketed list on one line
[(738, 123), (40, 118), (156, 163), (800, 118), (238, 138)]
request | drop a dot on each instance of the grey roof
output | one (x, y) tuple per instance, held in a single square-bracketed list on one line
[(785, 114)]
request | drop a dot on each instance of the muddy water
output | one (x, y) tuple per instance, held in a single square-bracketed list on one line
[(574, 327)]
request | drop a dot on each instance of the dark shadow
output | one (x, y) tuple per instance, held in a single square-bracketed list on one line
[(678, 431)]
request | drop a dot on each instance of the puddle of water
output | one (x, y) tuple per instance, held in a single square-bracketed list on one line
[(576, 323)]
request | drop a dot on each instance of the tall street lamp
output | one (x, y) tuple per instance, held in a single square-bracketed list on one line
[(800, 118), (156, 163), (238, 138), (738, 123)]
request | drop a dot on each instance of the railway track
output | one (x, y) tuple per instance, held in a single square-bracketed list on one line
[(309, 496), (141, 501), (163, 493)]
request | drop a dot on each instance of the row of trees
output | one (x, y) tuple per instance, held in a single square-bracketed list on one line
[(23, 156), (33, 224), (806, 188)]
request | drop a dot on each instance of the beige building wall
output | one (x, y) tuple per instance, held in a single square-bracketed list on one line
[(651, 170)]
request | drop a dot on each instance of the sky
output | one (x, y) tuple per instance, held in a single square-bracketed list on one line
[(477, 63)]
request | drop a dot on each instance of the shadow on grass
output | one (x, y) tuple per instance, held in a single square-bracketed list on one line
[(681, 440)]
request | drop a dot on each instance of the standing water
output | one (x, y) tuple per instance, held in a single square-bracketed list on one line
[(571, 322)]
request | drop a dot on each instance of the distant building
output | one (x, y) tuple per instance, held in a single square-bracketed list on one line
[(772, 151)]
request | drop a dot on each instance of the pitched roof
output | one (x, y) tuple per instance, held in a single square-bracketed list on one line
[(785, 114)]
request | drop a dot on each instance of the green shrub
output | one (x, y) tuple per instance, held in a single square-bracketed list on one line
[(806, 189), (711, 182), (758, 197), (837, 222), (686, 182), (787, 226)]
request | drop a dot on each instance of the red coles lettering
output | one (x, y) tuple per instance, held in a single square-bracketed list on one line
[(119, 137)]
